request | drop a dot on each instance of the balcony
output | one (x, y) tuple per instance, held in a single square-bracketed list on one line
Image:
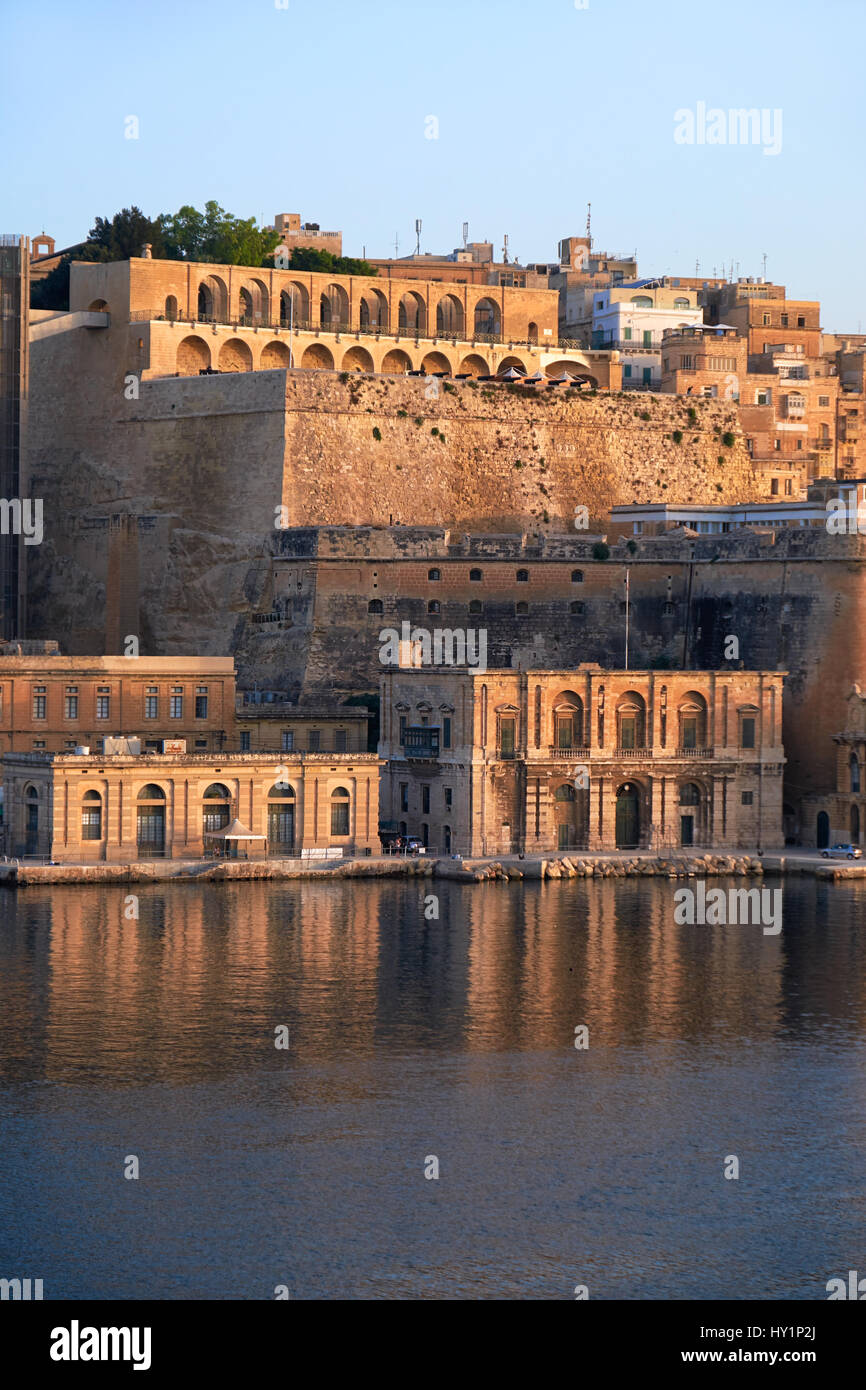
[(695, 753), (580, 750), (421, 745)]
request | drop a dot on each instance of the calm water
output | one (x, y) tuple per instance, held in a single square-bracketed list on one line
[(411, 1038)]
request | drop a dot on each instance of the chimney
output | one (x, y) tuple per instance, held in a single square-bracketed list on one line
[(146, 253)]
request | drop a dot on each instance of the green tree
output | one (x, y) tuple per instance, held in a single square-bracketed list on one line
[(308, 258), (216, 236)]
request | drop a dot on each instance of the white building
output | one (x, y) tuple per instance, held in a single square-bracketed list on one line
[(633, 317)]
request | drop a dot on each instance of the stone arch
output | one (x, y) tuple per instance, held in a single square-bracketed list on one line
[(436, 362), (450, 318), (532, 332), (212, 299), (508, 362), (318, 357), (294, 305), (854, 772), (171, 307), (822, 830), (487, 319), (396, 362), (340, 801), (412, 313), (254, 301), (98, 306), (235, 356), (692, 720), (630, 815), (358, 359), (643, 301), (474, 366), (631, 720), (557, 368), (373, 311), (693, 812), (275, 355), (193, 355), (334, 307), (567, 720)]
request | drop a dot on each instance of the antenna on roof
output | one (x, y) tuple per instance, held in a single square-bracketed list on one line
[(465, 234), (505, 248), (697, 267), (589, 224), (396, 245), (764, 261), (417, 236)]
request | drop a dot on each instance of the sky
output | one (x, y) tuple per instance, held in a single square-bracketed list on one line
[(509, 116)]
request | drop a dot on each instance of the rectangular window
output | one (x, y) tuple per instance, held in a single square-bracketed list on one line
[(447, 793), (402, 728), (506, 737), (747, 798), (784, 320), (647, 337), (404, 796), (176, 707), (39, 704), (823, 401), (245, 740), (201, 707), (151, 706), (765, 321), (626, 333), (103, 706), (647, 375), (288, 744), (774, 487), (446, 732), (340, 741), (626, 371), (314, 740), (339, 817), (627, 731), (747, 733), (801, 321), (91, 825), (788, 487), (690, 732), (425, 799)]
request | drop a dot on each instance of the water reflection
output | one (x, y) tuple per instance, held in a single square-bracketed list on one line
[(195, 986)]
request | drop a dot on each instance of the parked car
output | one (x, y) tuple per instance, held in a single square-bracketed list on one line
[(842, 852)]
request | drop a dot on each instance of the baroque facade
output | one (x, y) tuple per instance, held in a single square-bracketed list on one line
[(124, 808), (503, 762)]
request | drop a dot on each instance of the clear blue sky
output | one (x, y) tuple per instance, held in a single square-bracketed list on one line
[(321, 109)]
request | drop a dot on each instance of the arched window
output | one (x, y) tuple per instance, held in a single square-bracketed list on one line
[(486, 319), (565, 793), (576, 608), (375, 606), (476, 576), (631, 720), (151, 793), (281, 817), (523, 576), (690, 794), (855, 773), (91, 816), (217, 807), (692, 714), (475, 606), (339, 811), (643, 301), (433, 575), (433, 606), (522, 610), (567, 720), (681, 302), (171, 307), (577, 576), (246, 306)]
